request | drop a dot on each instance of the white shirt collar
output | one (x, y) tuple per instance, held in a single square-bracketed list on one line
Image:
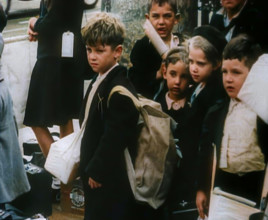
[(103, 76), (199, 88), (174, 42), (172, 104)]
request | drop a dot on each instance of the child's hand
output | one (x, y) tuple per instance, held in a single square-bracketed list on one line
[(93, 184), (202, 204), (32, 34)]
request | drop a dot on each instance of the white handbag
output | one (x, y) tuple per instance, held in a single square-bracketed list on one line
[(64, 155)]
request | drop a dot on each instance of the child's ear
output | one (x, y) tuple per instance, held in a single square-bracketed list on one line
[(164, 71), (118, 51), (147, 16)]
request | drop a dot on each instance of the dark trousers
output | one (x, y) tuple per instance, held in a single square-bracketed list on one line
[(102, 204), (248, 186)]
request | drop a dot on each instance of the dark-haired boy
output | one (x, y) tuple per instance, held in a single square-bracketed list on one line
[(236, 131), (145, 73)]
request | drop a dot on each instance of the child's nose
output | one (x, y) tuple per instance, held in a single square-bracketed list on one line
[(229, 77), (161, 20), (194, 68), (177, 80), (92, 55)]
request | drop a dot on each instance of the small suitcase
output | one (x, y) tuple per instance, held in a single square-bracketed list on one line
[(39, 198)]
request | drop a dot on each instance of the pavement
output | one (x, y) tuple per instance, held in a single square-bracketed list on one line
[(21, 7), (59, 214)]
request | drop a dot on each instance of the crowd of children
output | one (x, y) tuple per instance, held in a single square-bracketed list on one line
[(197, 79), (201, 78)]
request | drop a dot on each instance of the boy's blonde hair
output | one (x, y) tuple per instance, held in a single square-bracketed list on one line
[(104, 28)]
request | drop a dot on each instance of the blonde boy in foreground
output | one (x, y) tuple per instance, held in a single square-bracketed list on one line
[(109, 129)]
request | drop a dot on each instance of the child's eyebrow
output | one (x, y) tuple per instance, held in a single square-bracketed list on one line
[(168, 13), (154, 13)]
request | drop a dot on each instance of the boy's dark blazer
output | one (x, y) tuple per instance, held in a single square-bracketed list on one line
[(212, 133), (108, 131)]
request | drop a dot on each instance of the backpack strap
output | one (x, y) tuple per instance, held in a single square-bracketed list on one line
[(123, 91)]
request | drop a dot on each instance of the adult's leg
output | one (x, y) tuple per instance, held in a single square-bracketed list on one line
[(66, 129), (44, 138)]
